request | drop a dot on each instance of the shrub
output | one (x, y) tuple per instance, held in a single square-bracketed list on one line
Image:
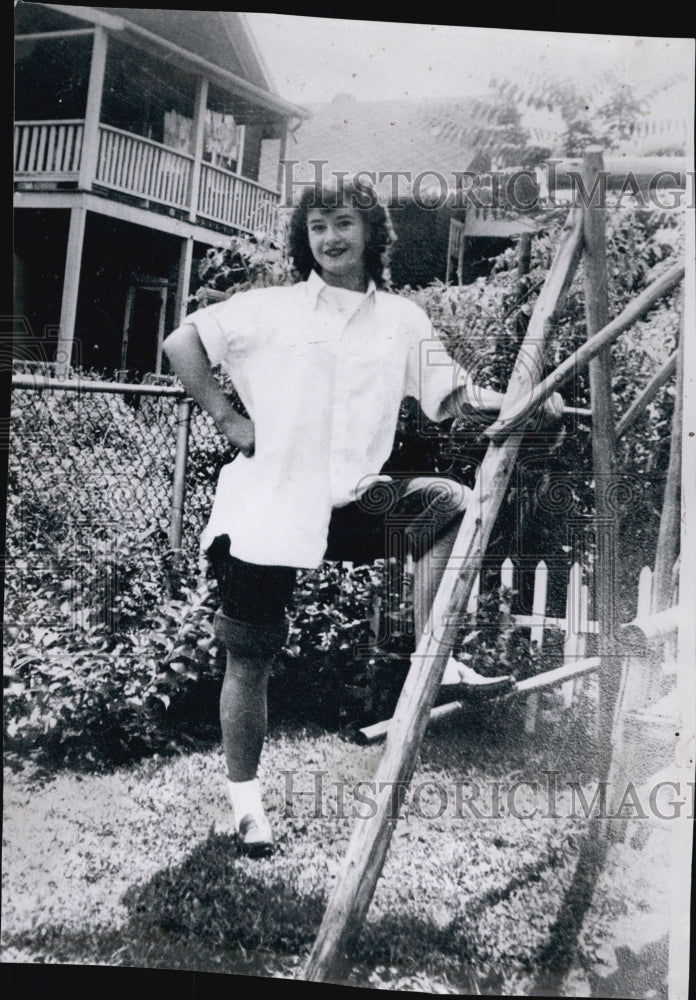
[(94, 694), (91, 695), (245, 262), (328, 672)]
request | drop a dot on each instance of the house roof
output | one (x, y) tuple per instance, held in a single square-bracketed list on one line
[(383, 137), (221, 37), (218, 42)]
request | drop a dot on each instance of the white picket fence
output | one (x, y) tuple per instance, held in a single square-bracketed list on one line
[(576, 625)]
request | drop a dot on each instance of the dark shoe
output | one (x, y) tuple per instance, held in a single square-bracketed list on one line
[(254, 836)]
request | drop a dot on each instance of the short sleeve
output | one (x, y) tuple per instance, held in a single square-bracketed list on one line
[(432, 375), (229, 330)]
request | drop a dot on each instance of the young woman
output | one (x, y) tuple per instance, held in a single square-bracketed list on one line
[(322, 368)]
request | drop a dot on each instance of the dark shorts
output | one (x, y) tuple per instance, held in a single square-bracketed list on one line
[(387, 521)]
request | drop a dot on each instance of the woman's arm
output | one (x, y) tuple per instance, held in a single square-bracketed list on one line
[(189, 361), (473, 399)]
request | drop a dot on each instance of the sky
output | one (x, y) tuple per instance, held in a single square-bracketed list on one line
[(311, 59)]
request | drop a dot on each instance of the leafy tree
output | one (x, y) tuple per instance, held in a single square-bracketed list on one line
[(604, 110), (492, 126)]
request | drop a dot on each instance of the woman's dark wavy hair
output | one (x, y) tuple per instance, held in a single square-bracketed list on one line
[(379, 232)]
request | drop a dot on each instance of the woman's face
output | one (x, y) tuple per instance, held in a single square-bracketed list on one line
[(337, 240)]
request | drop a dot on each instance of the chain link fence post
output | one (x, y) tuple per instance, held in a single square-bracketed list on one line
[(183, 429)]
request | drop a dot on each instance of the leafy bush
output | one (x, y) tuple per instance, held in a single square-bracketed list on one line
[(90, 694), (245, 262), (91, 604), (490, 643), (328, 671)]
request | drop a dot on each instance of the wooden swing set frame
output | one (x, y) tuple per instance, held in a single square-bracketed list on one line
[(583, 236)]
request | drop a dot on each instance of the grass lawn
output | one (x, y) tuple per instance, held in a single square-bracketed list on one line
[(139, 867)]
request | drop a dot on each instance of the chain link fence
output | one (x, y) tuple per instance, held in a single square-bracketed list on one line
[(94, 468)]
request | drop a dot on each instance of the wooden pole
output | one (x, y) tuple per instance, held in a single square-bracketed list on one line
[(584, 354), (524, 260), (71, 288), (160, 328), (670, 519), (95, 90), (127, 318), (530, 686), (378, 730), (369, 843), (201, 101), (640, 403), (183, 280), (603, 451), (281, 157)]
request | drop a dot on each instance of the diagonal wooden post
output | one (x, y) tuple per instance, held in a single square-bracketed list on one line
[(604, 338), (647, 394), (369, 843)]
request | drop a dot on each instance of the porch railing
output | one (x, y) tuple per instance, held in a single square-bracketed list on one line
[(48, 150), (236, 201), (135, 165)]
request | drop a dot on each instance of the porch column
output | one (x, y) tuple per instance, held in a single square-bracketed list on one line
[(95, 89), (198, 132), (281, 157), (182, 285), (71, 287)]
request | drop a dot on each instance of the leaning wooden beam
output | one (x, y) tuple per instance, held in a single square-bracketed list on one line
[(580, 358), (647, 628), (378, 730), (552, 678), (640, 403), (369, 843), (549, 679)]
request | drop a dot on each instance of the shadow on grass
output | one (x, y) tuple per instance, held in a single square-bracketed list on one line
[(218, 911), (638, 975), (221, 912), (218, 900), (556, 958)]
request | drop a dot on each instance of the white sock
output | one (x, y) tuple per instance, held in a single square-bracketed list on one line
[(245, 797)]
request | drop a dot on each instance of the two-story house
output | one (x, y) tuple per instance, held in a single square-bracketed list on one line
[(141, 138)]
